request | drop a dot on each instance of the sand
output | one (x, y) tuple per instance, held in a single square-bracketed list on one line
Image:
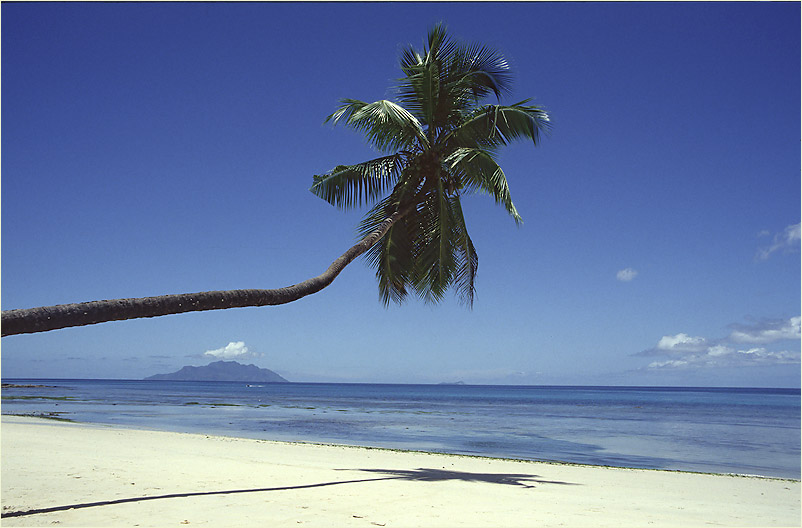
[(65, 474)]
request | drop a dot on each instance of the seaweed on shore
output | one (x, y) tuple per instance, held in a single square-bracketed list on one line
[(214, 404), (59, 398), (26, 386), (47, 416)]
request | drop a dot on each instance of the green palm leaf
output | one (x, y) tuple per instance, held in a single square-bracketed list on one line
[(346, 186), (435, 252), (497, 125), (481, 70), (393, 256), (387, 125), (448, 78), (479, 172), (466, 258)]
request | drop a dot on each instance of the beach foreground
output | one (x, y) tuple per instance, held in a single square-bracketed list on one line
[(67, 474)]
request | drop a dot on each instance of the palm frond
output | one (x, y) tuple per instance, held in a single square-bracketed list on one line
[(479, 171), (387, 125), (496, 125), (426, 87), (466, 258), (448, 77), (347, 186), (410, 60), (393, 256), (435, 263), (476, 71), (440, 47), (418, 91)]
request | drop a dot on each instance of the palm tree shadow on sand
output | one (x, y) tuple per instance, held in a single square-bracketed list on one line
[(420, 475), (434, 475)]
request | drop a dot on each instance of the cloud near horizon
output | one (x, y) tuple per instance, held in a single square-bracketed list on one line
[(235, 349), (787, 240), (723, 356), (767, 331), (680, 343), (626, 275), (683, 351)]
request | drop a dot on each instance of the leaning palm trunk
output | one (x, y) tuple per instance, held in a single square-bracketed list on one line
[(42, 319), (439, 148)]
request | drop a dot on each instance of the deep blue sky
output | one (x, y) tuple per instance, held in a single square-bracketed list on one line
[(167, 148)]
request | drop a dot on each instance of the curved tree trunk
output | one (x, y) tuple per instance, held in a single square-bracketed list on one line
[(32, 320)]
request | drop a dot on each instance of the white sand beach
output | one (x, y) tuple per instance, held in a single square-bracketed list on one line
[(66, 474)]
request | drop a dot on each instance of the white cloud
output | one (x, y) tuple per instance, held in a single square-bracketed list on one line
[(626, 275), (719, 351), (668, 364), (235, 349), (767, 332), (682, 351), (788, 239), (721, 356), (681, 343)]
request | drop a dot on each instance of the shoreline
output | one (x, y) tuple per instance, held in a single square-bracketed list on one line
[(750, 434), (55, 418), (510, 459), (102, 475)]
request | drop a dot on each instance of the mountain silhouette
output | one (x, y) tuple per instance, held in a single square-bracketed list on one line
[(222, 371)]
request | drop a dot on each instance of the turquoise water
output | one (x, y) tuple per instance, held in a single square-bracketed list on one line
[(747, 431)]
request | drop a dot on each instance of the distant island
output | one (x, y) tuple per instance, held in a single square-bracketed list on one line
[(451, 383), (222, 371)]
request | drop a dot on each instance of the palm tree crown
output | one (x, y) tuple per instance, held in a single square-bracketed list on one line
[(439, 143)]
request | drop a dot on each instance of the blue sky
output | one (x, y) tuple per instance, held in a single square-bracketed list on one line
[(167, 148)]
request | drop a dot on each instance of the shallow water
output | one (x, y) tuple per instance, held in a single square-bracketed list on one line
[(748, 431)]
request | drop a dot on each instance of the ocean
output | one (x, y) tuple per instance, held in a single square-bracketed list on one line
[(717, 430)]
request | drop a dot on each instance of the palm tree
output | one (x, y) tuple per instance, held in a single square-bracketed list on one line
[(440, 143)]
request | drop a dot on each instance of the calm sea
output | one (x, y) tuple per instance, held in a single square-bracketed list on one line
[(747, 431)]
